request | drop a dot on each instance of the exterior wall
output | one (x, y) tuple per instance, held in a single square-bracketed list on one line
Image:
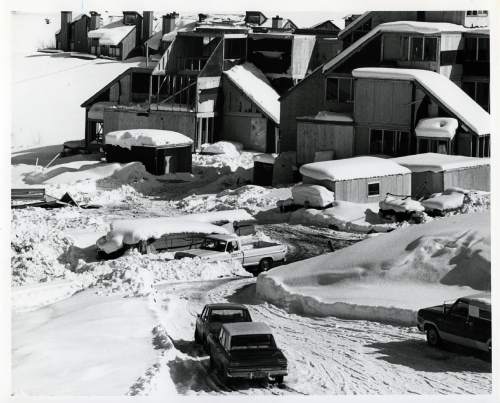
[(393, 108), (450, 63), (182, 122), (477, 178), (128, 44), (453, 17), (356, 190), (361, 140), (80, 41), (306, 99), (325, 50), (320, 136), (64, 33), (302, 50), (248, 129)]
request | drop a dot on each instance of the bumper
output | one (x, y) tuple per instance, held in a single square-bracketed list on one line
[(257, 374)]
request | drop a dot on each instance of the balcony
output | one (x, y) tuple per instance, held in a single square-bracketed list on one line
[(191, 63)]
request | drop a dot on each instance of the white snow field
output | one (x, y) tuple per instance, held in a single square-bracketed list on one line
[(379, 278)]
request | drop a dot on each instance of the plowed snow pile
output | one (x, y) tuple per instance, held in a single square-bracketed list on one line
[(389, 277)]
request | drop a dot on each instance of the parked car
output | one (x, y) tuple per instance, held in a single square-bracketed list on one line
[(246, 351), (466, 322), (214, 316), (230, 247)]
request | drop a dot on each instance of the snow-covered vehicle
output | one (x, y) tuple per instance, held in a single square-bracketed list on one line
[(314, 196), (230, 247), (246, 350), (214, 316), (161, 234), (451, 199), (401, 208), (466, 322)]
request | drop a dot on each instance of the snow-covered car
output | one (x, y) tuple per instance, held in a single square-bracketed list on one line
[(451, 199), (399, 208), (315, 196), (246, 350), (466, 322), (214, 316), (250, 252)]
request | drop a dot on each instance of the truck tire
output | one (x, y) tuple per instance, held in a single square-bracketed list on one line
[(265, 264), (433, 338), (279, 379)]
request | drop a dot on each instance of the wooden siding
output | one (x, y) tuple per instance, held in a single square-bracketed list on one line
[(356, 190), (128, 44), (361, 140), (182, 122), (242, 128), (80, 42), (382, 102), (307, 98), (312, 137), (477, 178), (451, 65)]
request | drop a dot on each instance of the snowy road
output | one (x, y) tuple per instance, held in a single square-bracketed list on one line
[(325, 355)]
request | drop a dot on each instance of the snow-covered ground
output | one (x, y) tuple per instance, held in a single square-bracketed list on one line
[(125, 326), (379, 279)]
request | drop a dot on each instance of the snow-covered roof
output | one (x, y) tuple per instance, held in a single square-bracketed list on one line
[(111, 36), (253, 83), (435, 162), (324, 22), (437, 128), (398, 26), (353, 23), (146, 137), (352, 168), (243, 328), (442, 89)]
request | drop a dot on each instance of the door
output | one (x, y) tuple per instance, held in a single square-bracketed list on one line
[(233, 248), (456, 324), (258, 131)]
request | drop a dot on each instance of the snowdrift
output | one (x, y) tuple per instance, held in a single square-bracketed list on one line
[(389, 277)]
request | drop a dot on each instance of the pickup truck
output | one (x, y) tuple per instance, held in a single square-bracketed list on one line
[(246, 350), (231, 247), (467, 322), (214, 316)]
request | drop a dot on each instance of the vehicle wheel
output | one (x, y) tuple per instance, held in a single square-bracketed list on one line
[(265, 265), (433, 338), (279, 379)]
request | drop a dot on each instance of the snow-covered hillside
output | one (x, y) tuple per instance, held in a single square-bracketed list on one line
[(389, 277)]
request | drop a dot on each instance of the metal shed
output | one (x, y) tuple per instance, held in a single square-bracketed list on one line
[(359, 179), (433, 173)]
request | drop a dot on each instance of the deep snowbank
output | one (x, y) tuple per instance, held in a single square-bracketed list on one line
[(389, 277)]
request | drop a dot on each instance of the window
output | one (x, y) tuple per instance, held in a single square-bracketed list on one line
[(460, 309), (479, 91), (477, 49), (339, 90), (374, 189), (389, 142), (419, 48)]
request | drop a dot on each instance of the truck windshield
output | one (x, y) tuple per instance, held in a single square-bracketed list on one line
[(252, 342), (229, 315), (214, 244)]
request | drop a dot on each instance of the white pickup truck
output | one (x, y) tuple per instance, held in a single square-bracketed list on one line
[(250, 252)]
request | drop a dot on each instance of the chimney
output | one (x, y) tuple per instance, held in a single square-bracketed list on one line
[(168, 23), (277, 22), (95, 20), (147, 25), (202, 17), (65, 29)]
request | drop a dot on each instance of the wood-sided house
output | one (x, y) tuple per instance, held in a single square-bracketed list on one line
[(427, 52)]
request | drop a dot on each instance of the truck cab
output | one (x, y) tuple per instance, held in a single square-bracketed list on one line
[(246, 350), (466, 322), (230, 247)]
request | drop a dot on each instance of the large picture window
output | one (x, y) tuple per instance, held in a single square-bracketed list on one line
[(339, 90), (479, 91), (477, 49), (389, 142), (419, 48)]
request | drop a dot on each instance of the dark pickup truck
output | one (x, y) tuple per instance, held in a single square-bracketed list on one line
[(214, 315), (246, 351), (467, 322)]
